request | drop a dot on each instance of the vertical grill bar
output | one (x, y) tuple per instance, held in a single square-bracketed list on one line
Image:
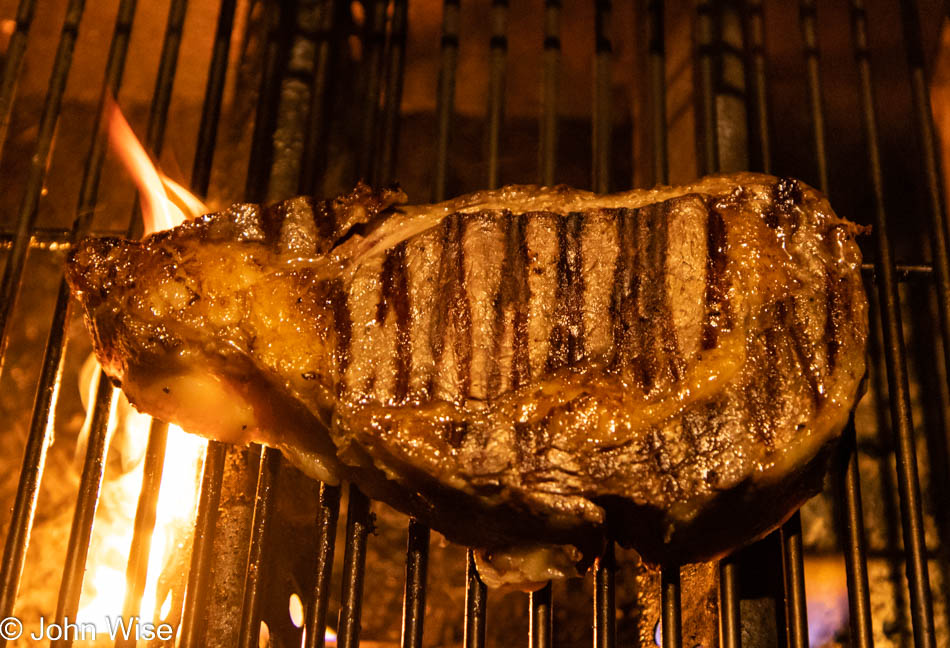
[(672, 617), (395, 63), (759, 93), (258, 168), (808, 14), (136, 572), (264, 503), (475, 601), (540, 618), (601, 119), (729, 622), (605, 628), (849, 485), (328, 512), (895, 359), (375, 40), (549, 91), (358, 525), (859, 596), (34, 458), (12, 64), (605, 618), (87, 501), (496, 85), (315, 137), (709, 160), (796, 614), (446, 98), (196, 593), (201, 552), (923, 120), (211, 106), (657, 65), (414, 598), (540, 613), (670, 575), (26, 215)]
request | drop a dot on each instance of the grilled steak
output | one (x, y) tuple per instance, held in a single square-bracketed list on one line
[(514, 366)]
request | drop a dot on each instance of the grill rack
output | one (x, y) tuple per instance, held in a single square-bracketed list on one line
[(385, 53)]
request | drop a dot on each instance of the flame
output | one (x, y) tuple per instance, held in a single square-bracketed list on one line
[(165, 203)]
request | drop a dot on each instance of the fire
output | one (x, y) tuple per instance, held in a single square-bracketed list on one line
[(165, 204)]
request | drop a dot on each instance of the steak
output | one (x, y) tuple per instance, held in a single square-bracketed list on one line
[(670, 368)]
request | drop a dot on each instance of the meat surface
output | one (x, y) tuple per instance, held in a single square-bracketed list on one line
[(669, 367)]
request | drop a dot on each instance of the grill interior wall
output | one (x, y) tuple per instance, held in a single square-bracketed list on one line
[(630, 156)]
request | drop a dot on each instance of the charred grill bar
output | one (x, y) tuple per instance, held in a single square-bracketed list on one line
[(381, 78)]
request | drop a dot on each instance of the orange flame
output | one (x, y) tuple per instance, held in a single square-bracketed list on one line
[(165, 203)]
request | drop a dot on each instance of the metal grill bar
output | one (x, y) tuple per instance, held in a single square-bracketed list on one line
[(328, 512), (496, 85), (199, 571), (86, 503), (605, 623), (793, 568), (414, 597), (12, 64), (26, 215), (790, 535), (550, 66), (34, 458), (601, 127), (709, 160), (755, 25), (211, 106), (315, 136), (671, 612), (657, 71), (476, 599), (729, 619), (202, 555), (259, 164), (358, 525), (859, 597), (373, 52), (263, 512), (395, 63), (137, 570), (808, 14), (895, 359), (446, 98), (605, 617), (729, 623), (847, 475), (926, 135), (540, 618)]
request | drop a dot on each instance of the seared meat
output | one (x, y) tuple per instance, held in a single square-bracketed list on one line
[(514, 366)]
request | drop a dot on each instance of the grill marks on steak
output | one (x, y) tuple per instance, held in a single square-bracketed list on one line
[(518, 365)]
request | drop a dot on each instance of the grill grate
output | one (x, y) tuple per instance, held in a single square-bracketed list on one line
[(273, 169)]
